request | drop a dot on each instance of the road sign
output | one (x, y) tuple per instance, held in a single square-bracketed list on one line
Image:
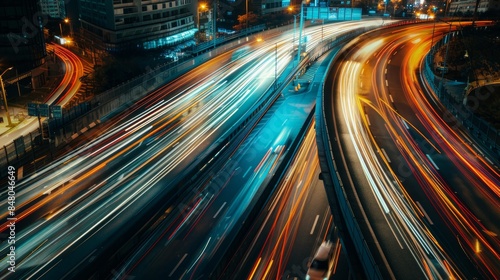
[(43, 109), (32, 109), (56, 111)]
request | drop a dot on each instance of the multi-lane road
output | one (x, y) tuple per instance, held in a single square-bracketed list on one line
[(76, 211), (60, 95), (432, 203), (118, 203)]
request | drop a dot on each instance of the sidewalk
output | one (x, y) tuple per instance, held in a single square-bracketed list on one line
[(18, 106)]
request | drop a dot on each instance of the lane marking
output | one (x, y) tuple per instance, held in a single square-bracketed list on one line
[(406, 125), (78, 264), (432, 161), (314, 225), (47, 270), (177, 266), (385, 155), (218, 211), (393, 232), (425, 213), (245, 174)]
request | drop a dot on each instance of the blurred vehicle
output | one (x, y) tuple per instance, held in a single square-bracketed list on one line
[(321, 265)]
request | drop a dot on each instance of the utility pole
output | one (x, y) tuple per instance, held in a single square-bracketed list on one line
[(5, 97), (276, 67), (445, 67), (432, 38), (294, 28), (300, 30), (322, 26), (215, 24), (17, 82), (475, 13)]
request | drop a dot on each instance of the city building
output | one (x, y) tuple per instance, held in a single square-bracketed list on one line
[(266, 7), (466, 7), (22, 44), (128, 24), (53, 8), (205, 22)]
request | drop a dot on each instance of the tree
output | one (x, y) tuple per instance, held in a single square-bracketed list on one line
[(114, 71), (242, 19)]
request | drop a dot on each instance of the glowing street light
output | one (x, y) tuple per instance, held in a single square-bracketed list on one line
[(66, 20), (201, 8)]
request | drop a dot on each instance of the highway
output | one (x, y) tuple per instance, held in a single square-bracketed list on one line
[(73, 212), (226, 194), (415, 175), (296, 222), (110, 173), (60, 95), (214, 211)]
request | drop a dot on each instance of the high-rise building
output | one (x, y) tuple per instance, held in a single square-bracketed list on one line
[(464, 7), (265, 7), (53, 8), (22, 43), (127, 24)]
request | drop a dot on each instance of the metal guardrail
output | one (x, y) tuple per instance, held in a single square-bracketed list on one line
[(479, 129), (331, 179), (349, 229)]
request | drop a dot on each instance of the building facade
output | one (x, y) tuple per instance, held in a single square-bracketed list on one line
[(22, 43), (466, 7), (266, 7), (53, 8), (128, 24)]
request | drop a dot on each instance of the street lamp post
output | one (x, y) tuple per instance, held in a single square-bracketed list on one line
[(66, 20), (322, 27), (300, 30), (60, 29), (294, 28), (432, 38), (276, 67), (215, 24), (5, 97), (201, 7), (445, 66)]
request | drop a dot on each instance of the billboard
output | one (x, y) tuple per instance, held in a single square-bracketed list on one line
[(332, 13)]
